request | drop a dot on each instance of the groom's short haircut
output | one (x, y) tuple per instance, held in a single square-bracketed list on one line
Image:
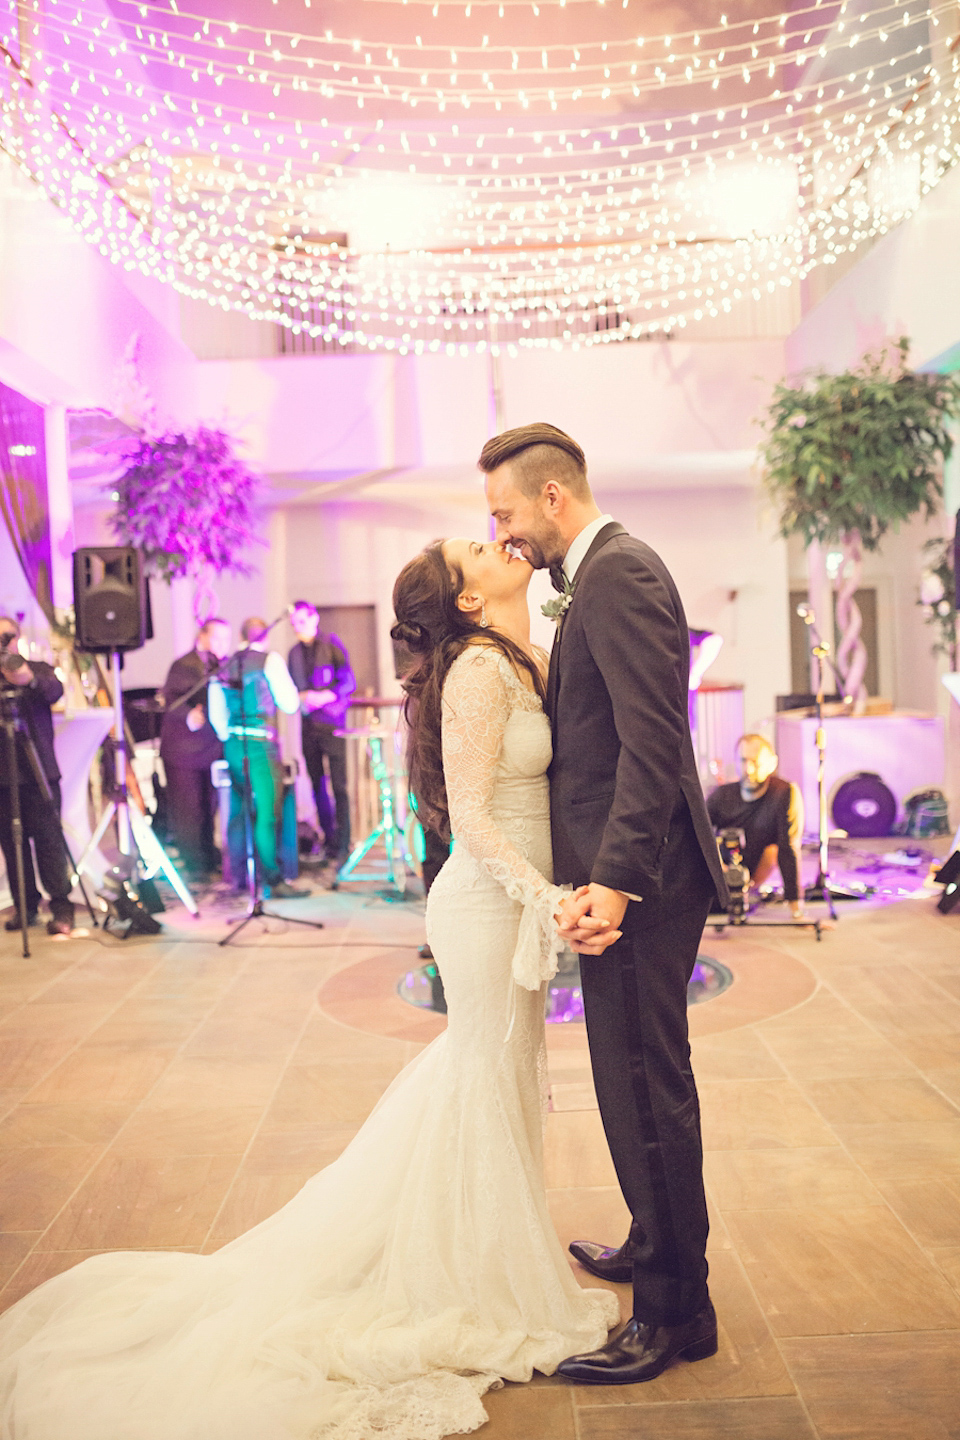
[(538, 453)]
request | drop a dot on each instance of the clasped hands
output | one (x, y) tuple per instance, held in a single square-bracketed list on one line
[(588, 918)]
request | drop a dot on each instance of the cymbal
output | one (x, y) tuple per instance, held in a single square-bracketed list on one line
[(375, 702), (150, 704)]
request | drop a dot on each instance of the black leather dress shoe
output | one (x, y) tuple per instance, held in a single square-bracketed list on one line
[(642, 1352), (14, 922), (603, 1262)]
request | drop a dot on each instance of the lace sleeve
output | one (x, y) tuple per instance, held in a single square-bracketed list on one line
[(476, 708)]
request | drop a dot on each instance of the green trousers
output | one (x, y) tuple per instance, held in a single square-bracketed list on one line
[(266, 785)]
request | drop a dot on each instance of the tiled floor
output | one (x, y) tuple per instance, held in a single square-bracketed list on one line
[(170, 1093)]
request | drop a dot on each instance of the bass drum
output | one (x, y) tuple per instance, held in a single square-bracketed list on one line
[(863, 805)]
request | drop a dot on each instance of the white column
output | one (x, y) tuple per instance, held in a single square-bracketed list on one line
[(59, 505), (181, 614)]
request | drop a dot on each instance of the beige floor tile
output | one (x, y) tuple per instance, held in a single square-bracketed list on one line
[(598, 1214), (66, 1123), (823, 1272), (861, 1101), (947, 1260), (947, 1081), (736, 1055), (783, 1179), (324, 1040), (774, 1418), (252, 1198), (578, 1095), (576, 1152), (187, 1130), (331, 1093), (297, 1148), (208, 1082), (759, 1114), (879, 1387), (36, 1182), (929, 1051), (244, 1035), (929, 1209), (921, 1150), (15, 1246), (101, 1076), (807, 1053), (26, 1060), (62, 1021), (540, 1412), (133, 1203)]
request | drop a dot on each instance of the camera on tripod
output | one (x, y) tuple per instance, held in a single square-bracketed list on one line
[(731, 844)]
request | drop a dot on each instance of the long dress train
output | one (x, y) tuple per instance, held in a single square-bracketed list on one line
[(418, 1269)]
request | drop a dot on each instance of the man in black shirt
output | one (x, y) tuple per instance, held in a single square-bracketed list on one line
[(35, 687), (769, 811), (321, 671), (188, 747)]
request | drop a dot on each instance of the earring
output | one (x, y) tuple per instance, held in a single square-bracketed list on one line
[(484, 622)]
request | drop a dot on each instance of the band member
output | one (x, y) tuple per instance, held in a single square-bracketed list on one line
[(31, 689), (188, 747), (769, 811), (243, 711), (321, 671)]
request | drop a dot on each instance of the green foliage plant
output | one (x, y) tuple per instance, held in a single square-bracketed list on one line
[(858, 452)]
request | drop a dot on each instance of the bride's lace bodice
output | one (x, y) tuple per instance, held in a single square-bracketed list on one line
[(496, 750)]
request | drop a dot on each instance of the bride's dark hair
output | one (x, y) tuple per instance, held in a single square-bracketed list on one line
[(434, 630)]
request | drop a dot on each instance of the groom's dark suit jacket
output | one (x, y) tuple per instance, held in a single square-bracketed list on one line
[(623, 769)]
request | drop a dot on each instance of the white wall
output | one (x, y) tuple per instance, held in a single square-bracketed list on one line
[(67, 314)]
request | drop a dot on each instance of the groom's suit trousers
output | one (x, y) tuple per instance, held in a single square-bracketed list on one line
[(635, 1000)]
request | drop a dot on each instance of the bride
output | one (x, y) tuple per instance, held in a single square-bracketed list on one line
[(421, 1267)]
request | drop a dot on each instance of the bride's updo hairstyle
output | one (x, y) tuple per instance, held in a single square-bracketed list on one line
[(434, 631)]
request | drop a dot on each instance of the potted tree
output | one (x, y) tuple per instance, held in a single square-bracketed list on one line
[(848, 456), (188, 503)]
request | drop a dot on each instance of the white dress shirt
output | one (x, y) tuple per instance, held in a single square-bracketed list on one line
[(579, 547)]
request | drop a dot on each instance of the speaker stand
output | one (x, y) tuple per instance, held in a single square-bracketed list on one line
[(134, 831)]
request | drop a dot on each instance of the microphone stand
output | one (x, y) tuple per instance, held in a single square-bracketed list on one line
[(822, 888), (256, 909)]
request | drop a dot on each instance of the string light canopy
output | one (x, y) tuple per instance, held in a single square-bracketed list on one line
[(411, 175)]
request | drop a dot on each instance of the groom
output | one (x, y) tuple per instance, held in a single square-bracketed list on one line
[(629, 823)]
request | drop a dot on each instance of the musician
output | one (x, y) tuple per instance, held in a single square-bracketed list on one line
[(35, 686), (243, 711), (321, 671), (188, 747)]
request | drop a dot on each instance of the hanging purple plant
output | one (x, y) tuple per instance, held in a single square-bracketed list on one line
[(188, 503)]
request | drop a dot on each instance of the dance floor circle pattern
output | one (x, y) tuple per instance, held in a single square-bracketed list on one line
[(765, 982), (423, 989)]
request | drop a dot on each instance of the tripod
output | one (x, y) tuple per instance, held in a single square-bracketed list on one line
[(14, 725), (133, 829), (256, 909)]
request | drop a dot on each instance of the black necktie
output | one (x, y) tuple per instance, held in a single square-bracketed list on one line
[(557, 578)]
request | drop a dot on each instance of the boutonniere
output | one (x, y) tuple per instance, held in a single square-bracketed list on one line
[(556, 608)]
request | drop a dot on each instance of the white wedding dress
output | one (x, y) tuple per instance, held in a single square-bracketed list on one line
[(418, 1269)]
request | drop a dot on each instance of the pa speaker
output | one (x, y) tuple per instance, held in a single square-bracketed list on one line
[(110, 599)]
